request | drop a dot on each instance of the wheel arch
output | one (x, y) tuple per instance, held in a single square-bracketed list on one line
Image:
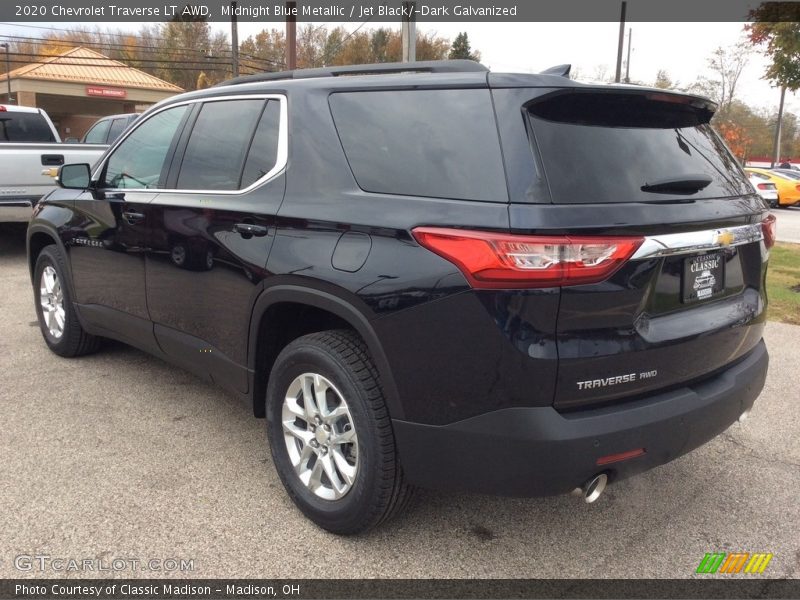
[(338, 308), (38, 237)]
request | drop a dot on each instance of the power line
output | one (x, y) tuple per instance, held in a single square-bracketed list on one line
[(67, 60), (113, 45), (344, 39), (198, 69)]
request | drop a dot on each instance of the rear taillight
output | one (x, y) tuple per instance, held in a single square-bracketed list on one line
[(497, 261), (768, 226), (765, 186)]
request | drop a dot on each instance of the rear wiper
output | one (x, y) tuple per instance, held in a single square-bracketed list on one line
[(684, 184)]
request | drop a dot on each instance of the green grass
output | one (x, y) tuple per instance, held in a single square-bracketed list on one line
[(782, 276)]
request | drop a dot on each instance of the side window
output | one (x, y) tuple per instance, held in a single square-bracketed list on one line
[(215, 153), (97, 134), (138, 162), (436, 143), (263, 152), (117, 126)]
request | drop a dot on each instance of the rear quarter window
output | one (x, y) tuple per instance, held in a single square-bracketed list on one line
[(606, 147), (24, 127), (436, 143)]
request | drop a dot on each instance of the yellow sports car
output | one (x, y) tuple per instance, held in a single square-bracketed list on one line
[(788, 188)]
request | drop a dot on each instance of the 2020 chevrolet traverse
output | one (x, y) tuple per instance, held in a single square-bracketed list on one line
[(426, 274)]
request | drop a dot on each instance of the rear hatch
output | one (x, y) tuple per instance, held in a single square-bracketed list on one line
[(645, 166)]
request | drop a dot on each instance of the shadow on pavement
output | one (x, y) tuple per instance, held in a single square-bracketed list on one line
[(12, 239)]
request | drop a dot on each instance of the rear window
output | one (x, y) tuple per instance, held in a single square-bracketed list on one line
[(437, 143), (617, 147), (24, 127)]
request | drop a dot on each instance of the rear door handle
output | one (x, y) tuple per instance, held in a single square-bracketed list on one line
[(248, 229), (132, 217)]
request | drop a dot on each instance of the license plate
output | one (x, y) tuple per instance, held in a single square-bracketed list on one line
[(703, 277)]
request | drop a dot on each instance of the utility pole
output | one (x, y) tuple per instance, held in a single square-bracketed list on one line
[(409, 32), (9, 100), (628, 62), (621, 42), (234, 40), (291, 35), (776, 148)]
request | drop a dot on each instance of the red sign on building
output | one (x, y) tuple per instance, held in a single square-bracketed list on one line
[(105, 92)]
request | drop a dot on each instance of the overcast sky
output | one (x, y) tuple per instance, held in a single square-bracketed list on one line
[(681, 49)]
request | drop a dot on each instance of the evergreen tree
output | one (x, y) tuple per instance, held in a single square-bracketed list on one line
[(462, 49)]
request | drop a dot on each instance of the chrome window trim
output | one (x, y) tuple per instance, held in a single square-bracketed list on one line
[(672, 244), (280, 163)]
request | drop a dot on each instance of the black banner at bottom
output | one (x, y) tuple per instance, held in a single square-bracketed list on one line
[(202, 589)]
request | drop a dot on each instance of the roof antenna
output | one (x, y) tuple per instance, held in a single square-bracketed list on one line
[(562, 70)]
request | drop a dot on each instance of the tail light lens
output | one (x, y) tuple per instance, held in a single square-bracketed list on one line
[(765, 186), (497, 261), (769, 227)]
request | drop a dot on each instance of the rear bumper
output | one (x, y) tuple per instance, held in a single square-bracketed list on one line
[(538, 451), (16, 210)]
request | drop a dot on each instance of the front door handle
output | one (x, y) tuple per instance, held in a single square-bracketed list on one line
[(248, 230), (132, 217)]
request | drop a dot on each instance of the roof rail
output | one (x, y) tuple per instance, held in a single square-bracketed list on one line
[(562, 70), (427, 66)]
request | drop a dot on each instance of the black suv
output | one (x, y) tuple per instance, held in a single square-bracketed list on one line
[(426, 274)]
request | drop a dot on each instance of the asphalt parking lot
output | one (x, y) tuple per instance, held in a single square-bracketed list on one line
[(121, 455)]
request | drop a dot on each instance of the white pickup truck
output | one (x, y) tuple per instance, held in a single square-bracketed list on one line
[(30, 153)]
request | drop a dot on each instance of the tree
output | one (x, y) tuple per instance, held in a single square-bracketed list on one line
[(776, 29), (461, 48), (663, 80), (780, 41), (265, 51), (380, 44), (726, 65)]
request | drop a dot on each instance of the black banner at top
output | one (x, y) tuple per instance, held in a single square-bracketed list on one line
[(98, 11)]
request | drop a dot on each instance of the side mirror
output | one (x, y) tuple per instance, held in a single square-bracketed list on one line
[(75, 177)]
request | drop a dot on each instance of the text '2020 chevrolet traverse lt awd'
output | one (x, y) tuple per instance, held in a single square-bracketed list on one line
[(426, 274)]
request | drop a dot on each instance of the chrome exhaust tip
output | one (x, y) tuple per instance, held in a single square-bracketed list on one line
[(594, 488)]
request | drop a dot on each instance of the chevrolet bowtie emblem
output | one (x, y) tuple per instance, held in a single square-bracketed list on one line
[(725, 238)]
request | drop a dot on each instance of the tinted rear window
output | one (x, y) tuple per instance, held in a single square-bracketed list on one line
[(605, 147), (24, 127), (437, 143)]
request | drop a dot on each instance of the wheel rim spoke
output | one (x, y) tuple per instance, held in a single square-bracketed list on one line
[(348, 471), (320, 395), (320, 436), (346, 437), (303, 435)]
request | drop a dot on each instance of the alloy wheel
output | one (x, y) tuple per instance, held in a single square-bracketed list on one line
[(51, 299), (320, 436)]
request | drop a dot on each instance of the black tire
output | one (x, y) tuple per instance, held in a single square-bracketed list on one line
[(378, 491), (73, 341)]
